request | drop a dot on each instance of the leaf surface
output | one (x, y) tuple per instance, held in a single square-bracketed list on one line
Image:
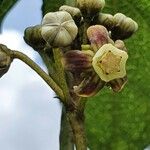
[(121, 121)]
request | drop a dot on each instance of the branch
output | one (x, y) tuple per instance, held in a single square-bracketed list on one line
[(66, 135), (60, 72)]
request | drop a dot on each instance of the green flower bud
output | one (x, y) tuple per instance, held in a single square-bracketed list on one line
[(109, 62), (33, 37), (58, 29), (124, 27), (106, 20), (90, 8), (73, 11), (98, 36), (5, 60)]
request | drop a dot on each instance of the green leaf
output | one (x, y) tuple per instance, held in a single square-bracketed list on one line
[(5, 6), (51, 5), (121, 121)]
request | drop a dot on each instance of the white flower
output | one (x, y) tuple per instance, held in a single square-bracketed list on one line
[(109, 62)]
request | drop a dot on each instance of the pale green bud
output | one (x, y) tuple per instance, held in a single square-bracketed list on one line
[(106, 20), (73, 11), (124, 27), (33, 37), (58, 29)]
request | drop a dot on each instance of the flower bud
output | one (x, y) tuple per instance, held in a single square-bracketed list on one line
[(106, 20), (120, 45), (98, 36), (58, 29), (73, 11), (124, 27), (5, 60), (109, 62), (90, 8), (33, 37)]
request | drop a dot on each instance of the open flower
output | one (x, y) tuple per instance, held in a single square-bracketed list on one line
[(109, 62), (103, 64)]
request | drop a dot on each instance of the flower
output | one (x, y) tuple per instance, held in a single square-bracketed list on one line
[(103, 64), (109, 62), (58, 29)]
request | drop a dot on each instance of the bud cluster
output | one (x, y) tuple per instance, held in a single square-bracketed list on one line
[(91, 43)]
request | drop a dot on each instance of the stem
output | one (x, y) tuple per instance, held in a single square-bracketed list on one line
[(66, 135), (76, 120), (50, 66), (39, 71), (60, 72), (77, 125), (86, 25)]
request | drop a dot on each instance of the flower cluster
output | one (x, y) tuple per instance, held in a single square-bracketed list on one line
[(99, 61), (103, 64)]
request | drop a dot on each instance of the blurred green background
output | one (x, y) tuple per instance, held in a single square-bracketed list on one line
[(121, 121)]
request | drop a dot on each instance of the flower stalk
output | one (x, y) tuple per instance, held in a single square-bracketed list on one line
[(76, 120)]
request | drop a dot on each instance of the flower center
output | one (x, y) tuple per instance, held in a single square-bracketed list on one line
[(110, 63)]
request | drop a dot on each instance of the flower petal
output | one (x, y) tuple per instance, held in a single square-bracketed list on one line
[(98, 36), (118, 84), (77, 61), (89, 86)]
